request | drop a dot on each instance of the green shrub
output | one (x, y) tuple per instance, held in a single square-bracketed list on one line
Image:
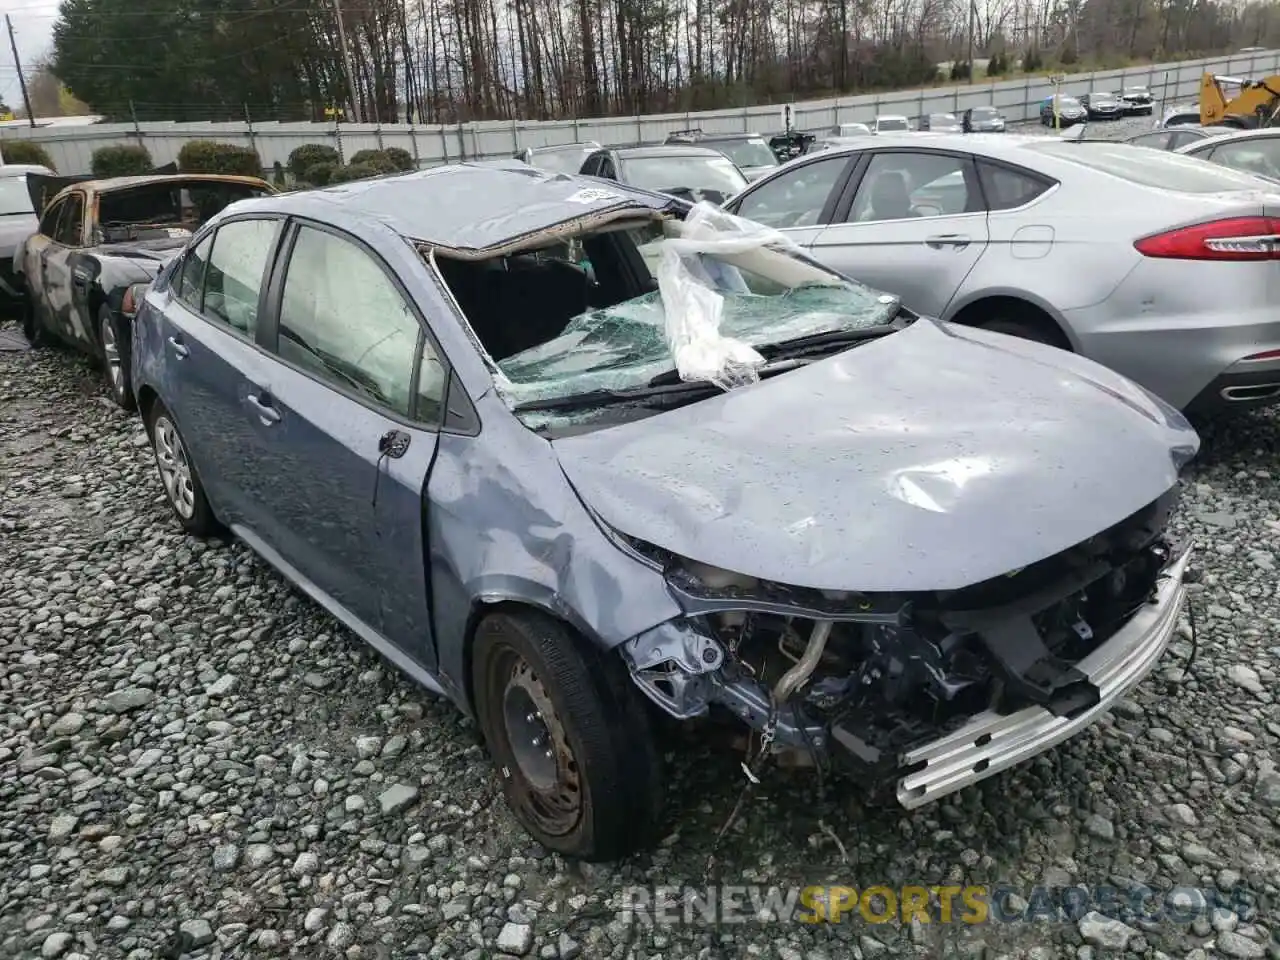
[(122, 160), (355, 171), (319, 174), (997, 65), (401, 157), (1032, 60), (303, 158), (207, 156), (374, 158), (961, 71), (24, 151)]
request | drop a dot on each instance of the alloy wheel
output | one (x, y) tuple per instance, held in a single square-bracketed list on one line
[(175, 469)]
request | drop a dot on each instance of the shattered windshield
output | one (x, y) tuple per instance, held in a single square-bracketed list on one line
[(769, 298), (710, 178)]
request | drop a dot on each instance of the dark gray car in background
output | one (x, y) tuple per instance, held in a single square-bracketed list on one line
[(445, 406)]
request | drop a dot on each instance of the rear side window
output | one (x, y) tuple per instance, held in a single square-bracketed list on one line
[(1167, 171), (1006, 188), (233, 276), (71, 223), (1160, 139)]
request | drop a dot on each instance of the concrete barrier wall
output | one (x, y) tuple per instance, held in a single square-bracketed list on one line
[(72, 147)]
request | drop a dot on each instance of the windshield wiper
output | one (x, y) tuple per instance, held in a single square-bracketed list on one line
[(680, 391)]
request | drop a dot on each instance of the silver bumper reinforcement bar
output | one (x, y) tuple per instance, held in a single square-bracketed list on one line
[(992, 742)]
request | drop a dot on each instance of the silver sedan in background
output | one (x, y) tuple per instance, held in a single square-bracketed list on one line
[(1252, 151), (1159, 266)]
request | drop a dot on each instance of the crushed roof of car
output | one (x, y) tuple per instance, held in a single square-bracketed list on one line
[(469, 206)]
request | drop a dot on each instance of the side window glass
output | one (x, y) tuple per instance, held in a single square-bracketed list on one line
[(71, 221), (234, 272), (607, 170), (1160, 140), (899, 186), (343, 319), (49, 222), (191, 280), (591, 167), (795, 198), (1006, 188)]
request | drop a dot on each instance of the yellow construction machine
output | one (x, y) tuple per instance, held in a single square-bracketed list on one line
[(1257, 104)]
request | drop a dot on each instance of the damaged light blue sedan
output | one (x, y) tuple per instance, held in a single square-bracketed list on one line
[(575, 455)]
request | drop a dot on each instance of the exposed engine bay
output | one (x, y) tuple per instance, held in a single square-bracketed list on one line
[(865, 678)]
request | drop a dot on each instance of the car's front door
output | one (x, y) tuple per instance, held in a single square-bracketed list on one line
[(56, 273), (210, 331), (914, 226), (33, 261), (356, 394), (798, 200)]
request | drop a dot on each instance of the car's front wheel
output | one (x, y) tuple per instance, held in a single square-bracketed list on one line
[(570, 737), (113, 334), (182, 485)]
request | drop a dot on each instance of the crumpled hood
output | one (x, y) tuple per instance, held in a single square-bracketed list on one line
[(932, 459)]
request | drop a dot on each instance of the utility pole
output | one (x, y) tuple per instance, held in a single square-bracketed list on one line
[(346, 56), (22, 80)]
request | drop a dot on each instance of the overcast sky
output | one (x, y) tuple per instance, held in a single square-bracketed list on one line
[(32, 27)]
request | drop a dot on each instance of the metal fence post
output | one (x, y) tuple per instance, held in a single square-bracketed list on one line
[(413, 140), (248, 125), (337, 139), (746, 128), (515, 136), (377, 131), (137, 130), (444, 144), (475, 143), (1026, 98)]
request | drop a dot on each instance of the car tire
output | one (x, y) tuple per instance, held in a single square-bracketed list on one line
[(1022, 329), (114, 338), (570, 737), (182, 486)]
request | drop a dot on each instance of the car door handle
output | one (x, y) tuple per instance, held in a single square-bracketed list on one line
[(262, 406), (179, 347), (956, 240)]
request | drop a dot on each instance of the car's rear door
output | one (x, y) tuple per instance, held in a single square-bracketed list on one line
[(798, 200), (212, 363), (912, 223), (354, 399)]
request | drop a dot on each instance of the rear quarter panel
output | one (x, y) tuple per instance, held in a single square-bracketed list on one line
[(1067, 250)]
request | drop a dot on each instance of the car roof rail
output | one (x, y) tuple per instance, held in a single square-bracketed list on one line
[(690, 132)]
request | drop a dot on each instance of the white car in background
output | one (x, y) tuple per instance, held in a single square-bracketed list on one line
[(890, 123), (1154, 264)]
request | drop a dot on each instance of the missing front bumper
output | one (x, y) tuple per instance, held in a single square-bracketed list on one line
[(991, 742)]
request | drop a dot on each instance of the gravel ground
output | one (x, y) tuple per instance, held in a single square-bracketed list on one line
[(194, 759)]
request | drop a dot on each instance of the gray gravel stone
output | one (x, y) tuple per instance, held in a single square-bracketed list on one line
[(515, 939), (1105, 932), (125, 701), (397, 799), (55, 945), (196, 932), (1232, 944)]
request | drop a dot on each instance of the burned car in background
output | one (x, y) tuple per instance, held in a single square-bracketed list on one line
[(713, 477), (95, 241)]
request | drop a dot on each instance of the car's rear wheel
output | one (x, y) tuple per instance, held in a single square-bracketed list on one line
[(1024, 329), (113, 334), (182, 485), (564, 724)]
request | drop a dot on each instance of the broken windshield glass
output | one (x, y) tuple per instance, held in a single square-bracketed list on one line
[(625, 346)]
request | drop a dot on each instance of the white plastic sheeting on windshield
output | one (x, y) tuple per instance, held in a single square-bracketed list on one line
[(694, 263)]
